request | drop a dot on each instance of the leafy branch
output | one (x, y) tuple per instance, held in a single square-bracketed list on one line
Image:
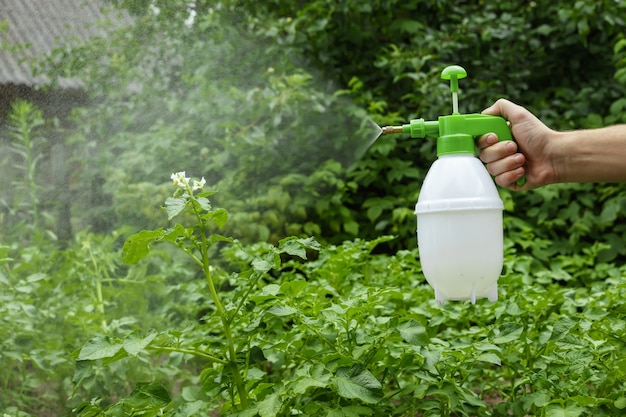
[(195, 243)]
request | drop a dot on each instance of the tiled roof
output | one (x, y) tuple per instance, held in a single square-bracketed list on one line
[(43, 25)]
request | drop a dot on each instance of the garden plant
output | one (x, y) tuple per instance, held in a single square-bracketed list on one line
[(231, 255)]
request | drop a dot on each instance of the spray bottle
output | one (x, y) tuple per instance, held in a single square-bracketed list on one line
[(459, 211)]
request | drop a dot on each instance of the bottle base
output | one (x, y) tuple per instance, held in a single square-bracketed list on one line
[(491, 294)]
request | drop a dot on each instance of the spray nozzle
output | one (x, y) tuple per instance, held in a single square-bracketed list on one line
[(390, 130), (417, 128), (455, 133)]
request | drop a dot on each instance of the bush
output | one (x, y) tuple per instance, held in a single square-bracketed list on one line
[(263, 99)]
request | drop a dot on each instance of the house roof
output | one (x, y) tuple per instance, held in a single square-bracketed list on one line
[(36, 27)]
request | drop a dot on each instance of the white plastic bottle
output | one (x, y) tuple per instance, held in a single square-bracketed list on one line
[(459, 229), (459, 211)]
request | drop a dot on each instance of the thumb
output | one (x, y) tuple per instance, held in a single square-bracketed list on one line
[(507, 109), (492, 110)]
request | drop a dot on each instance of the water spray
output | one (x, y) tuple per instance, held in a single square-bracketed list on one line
[(459, 211)]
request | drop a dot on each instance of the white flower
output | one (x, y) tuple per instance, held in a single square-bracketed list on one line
[(180, 180), (198, 185)]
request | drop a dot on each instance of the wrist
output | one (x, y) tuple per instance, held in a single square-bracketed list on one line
[(595, 155), (559, 156)]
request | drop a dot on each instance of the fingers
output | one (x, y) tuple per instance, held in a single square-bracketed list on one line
[(503, 165), (502, 160), (491, 150), (509, 179), (487, 140), (507, 109)]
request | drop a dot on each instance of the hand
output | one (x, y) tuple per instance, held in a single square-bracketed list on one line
[(529, 155)]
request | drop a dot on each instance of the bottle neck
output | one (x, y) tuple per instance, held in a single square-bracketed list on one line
[(456, 144)]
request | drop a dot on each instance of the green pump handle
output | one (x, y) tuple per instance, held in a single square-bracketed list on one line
[(456, 133)]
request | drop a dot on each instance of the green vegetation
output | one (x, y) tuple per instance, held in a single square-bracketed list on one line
[(306, 297)]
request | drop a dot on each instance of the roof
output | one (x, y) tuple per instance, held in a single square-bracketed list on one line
[(37, 27)]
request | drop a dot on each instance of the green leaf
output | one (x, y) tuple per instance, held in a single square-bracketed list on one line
[(99, 347), (619, 45), (269, 262), (620, 403), (560, 410), (374, 212), (219, 217), (489, 357), (309, 376), (292, 247), (270, 406), (414, 333), (134, 344), (356, 382), (137, 246), (301, 385), (539, 399), (508, 334), (214, 238), (270, 289), (562, 327), (351, 227), (620, 75), (145, 396), (84, 369), (294, 288), (174, 206), (281, 311), (172, 235), (584, 400), (206, 194), (204, 203), (298, 246), (192, 409)]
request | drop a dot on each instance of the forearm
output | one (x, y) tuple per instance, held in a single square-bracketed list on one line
[(595, 155)]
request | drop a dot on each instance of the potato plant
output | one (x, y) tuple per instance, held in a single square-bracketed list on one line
[(310, 299), (303, 329)]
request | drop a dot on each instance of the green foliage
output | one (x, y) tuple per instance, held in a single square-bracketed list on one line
[(261, 98), (552, 57), (265, 100), (353, 333), (49, 300), (308, 328), (275, 138), (21, 191)]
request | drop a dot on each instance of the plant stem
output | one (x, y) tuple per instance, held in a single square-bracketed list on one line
[(99, 296), (100, 303), (198, 353), (30, 169), (25, 119), (232, 356)]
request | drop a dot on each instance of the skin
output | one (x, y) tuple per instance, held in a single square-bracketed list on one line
[(546, 156)]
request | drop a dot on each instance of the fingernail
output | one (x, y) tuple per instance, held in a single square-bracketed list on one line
[(511, 145), (491, 138)]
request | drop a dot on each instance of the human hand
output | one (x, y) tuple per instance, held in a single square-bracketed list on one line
[(528, 155)]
